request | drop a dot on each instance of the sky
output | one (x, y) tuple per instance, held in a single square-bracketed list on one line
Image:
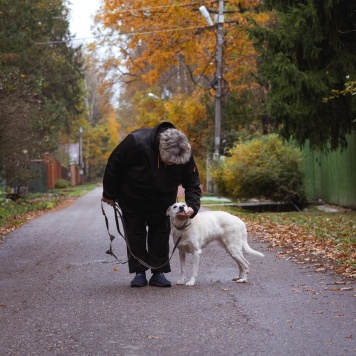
[(81, 17)]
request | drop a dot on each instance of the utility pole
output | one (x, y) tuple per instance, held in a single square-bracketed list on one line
[(218, 95), (218, 84)]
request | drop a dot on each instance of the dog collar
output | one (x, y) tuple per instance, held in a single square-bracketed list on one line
[(183, 227)]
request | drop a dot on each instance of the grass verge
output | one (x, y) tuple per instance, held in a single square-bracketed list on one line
[(319, 240), (13, 214)]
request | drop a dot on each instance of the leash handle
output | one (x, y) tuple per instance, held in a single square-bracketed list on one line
[(112, 237)]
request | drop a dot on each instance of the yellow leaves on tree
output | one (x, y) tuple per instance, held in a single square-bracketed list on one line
[(99, 143), (186, 112), (170, 42), (164, 44)]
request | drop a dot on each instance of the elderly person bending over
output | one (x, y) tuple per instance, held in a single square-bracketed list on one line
[(143, 174)]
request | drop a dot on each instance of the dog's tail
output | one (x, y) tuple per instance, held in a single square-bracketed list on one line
[(250, 250)]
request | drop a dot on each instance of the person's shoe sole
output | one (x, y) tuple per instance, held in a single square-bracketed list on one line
[(136, 285), (154, 284)]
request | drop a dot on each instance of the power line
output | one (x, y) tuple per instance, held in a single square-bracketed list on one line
[(134, 33), (130, 10), (162, 7), (123, 34)]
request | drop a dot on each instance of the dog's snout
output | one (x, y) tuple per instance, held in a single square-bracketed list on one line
[(181, 208)]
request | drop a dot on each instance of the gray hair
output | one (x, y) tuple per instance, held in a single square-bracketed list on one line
[(174, 147)]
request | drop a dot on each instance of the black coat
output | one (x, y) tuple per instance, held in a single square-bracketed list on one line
[(136, 177)]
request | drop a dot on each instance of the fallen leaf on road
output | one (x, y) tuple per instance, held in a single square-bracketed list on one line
[(154, 337)]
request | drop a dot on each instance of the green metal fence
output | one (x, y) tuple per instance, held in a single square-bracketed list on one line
[(332, 177), (39, 184)]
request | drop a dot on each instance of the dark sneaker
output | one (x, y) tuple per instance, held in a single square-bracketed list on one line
[(139, 280), (159, 280)]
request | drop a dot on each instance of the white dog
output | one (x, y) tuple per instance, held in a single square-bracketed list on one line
[(204, 228)]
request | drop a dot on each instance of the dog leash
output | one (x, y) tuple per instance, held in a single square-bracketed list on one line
[(112, 237), (118, 215)]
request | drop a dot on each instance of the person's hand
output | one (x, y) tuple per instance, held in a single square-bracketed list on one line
[(107, 201), (186, 215)]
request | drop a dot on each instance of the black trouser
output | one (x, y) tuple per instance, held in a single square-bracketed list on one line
[(147, 232)]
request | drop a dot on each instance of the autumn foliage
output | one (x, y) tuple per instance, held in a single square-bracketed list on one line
[(164, 45), (155, 38)]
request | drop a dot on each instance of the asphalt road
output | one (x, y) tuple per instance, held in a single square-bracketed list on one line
[(60, 295)]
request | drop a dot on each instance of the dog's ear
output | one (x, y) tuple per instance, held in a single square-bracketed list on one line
[(168, 211)]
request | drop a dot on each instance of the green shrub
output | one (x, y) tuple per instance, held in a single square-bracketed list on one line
[(263, 167), (2, 197), (61, 184)]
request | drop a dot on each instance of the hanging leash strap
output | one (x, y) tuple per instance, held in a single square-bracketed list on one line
[(118, 215), (112, 237)]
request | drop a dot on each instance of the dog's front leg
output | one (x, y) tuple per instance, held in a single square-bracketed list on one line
[(196, 259), (182, 267)]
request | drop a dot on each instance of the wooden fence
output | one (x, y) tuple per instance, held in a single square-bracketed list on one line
[(332, 177), (48, 170)]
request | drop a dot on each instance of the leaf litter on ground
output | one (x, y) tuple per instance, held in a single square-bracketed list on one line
[(321, 241)]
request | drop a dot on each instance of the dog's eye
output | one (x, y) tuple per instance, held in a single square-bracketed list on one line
[(174, 206)]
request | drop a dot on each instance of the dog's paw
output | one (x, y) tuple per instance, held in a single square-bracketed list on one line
[(240, 280), (191, 282), (180, 281)]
